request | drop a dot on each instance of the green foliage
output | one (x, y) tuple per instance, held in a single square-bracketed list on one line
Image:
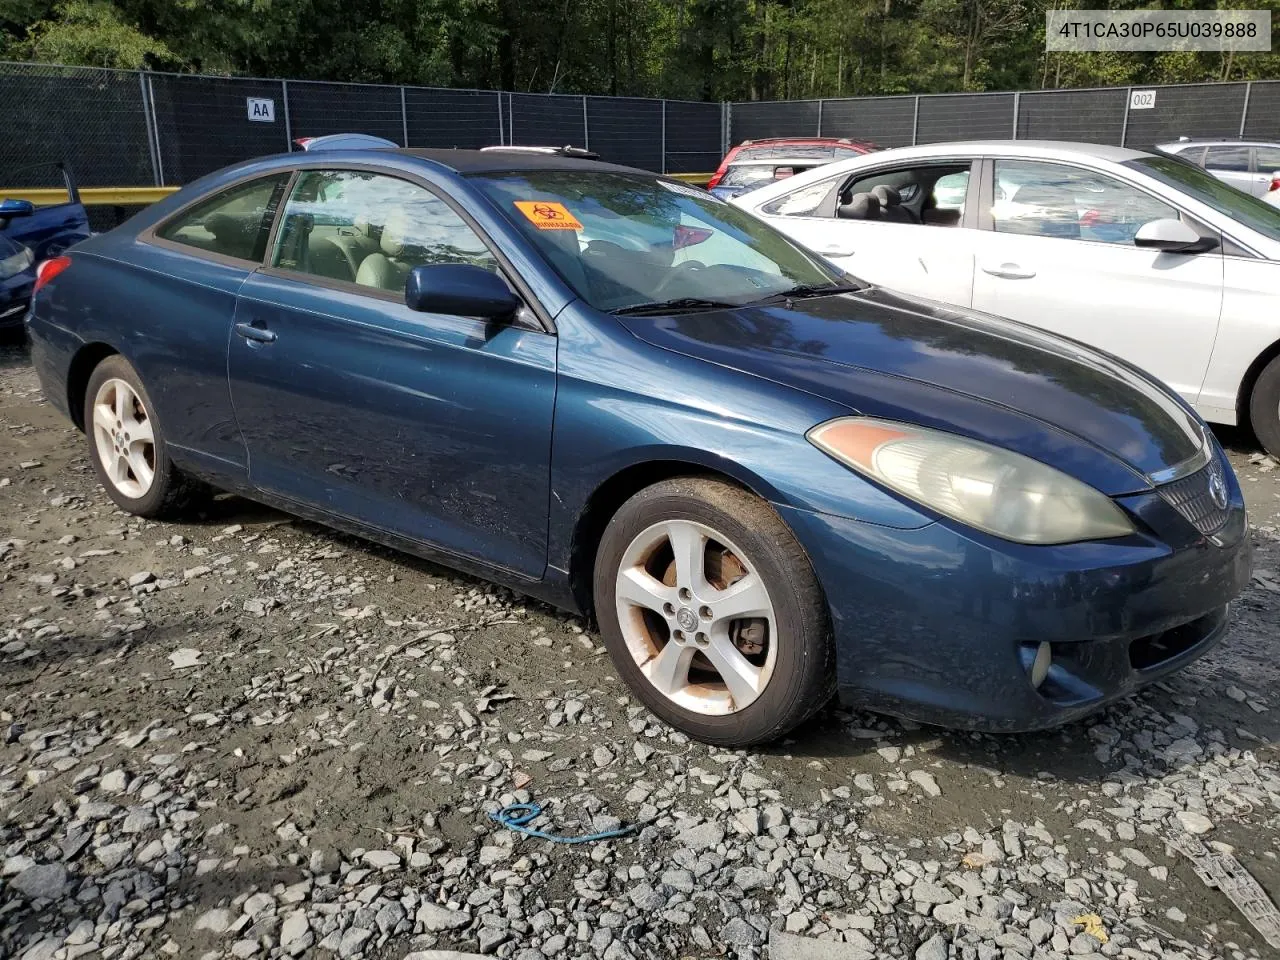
[(91, 32), (697, 49)]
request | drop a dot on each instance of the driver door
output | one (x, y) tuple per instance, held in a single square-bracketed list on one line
[(1057, 252), (428, 426)]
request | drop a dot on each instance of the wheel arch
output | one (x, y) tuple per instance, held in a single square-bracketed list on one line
[(615, 490), (1250, 380), (82, 365)]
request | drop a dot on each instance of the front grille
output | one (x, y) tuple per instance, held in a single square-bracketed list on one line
[(1193, 497)]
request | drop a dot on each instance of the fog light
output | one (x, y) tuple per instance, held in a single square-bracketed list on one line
[(1040, 664)]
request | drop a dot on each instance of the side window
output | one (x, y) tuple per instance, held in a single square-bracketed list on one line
[(805, 202), (1195, 155), (1268, 159), (949, 192), (233, 223), (932, 195), (370, 229), (1227, 158), (1070, 203)]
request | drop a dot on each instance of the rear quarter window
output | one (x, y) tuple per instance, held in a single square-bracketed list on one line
[(232, 223)]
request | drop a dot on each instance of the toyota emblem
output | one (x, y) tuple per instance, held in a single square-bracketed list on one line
[(1218, 491)]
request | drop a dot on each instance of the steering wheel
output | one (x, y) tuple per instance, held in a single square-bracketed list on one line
[(677, 274)]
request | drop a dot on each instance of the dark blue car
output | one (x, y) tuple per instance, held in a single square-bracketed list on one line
[(29, 234), (765, 480)]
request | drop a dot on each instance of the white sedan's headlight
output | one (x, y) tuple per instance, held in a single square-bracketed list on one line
[(14, 264), (994, 490)]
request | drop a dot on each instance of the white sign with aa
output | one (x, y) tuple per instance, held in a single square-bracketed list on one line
[(262, 110)]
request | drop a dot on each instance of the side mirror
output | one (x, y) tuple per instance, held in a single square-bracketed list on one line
[(460, 290), (1171, 236), (14, 208)]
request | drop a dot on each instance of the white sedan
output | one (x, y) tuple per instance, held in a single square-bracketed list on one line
[(1145, 256)]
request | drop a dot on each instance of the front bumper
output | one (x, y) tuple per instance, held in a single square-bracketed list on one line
[(938, 624)]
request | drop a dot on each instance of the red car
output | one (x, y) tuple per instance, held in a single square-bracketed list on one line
[(753, 163)]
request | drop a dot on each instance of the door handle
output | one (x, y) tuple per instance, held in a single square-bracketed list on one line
[(254, 333), (837, 251), (1009, 271)]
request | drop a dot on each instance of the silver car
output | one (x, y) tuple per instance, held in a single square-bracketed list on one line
[(1248, 165)]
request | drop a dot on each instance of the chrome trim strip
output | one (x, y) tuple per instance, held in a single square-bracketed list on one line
[(1197, 461)]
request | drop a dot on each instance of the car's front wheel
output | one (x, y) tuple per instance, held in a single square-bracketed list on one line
[(1264, 407), (711, 612), (127, 446)]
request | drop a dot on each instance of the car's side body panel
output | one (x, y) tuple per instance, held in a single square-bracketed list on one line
[(437, 428), (623, 402), (1249, 329), (170, 315)]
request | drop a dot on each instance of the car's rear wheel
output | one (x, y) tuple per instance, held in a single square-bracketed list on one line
[(127, 446), (1264, 407), (711, 612)]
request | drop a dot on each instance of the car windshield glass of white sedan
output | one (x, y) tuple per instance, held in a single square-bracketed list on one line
[(1209, 190), (624, 241)]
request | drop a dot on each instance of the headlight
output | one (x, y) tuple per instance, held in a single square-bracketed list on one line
[(13, 265), (994, 490)]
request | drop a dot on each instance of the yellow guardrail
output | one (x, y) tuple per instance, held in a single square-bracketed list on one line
[(90, 196), (140, 196)]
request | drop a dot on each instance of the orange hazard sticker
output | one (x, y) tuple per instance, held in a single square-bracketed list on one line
[(548, 216)]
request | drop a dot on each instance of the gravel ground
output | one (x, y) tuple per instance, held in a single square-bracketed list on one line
[(249, 736)]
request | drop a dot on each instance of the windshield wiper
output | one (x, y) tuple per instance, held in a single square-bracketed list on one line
[(658, 308), (805, 290)]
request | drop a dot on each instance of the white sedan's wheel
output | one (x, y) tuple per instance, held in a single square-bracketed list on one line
[(1264, 407), (124, 438), (711, 612), (696, 617)]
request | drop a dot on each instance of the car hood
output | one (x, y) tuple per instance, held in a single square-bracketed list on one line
[(887, 355)]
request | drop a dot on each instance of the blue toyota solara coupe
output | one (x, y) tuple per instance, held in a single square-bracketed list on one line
[(765, 480)]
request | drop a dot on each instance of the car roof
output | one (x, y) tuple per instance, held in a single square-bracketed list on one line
[(778, 161), (1100, 151), (1216, 141), (950, 150), (823, 141), (503, 161)]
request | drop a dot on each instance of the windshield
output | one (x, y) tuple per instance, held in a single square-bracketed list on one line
[(1209, 190), (623, 240)]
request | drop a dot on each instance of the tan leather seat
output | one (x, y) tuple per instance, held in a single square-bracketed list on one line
[(386, 270)]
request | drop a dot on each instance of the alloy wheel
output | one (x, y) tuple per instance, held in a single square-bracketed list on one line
[(124, 438), (696, 617)]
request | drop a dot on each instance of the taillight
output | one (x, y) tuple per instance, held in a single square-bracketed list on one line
[(302, 142), (48, 269), (1275, 182)]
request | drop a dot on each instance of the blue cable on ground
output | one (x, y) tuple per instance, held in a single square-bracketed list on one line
[(517, 815)]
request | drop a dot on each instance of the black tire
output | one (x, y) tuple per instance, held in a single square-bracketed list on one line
[(1264, 408), (170, 491), (803, 677)]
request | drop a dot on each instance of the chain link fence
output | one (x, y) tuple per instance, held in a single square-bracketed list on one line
[(118, 128), (1093, 115)]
